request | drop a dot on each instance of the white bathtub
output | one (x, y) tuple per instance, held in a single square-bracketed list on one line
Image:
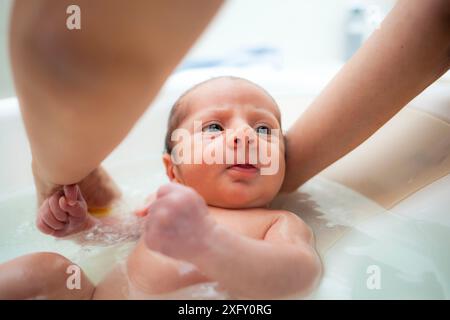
[(360, 232)]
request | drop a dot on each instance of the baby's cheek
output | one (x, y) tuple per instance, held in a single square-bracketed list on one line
[(274, 172), (270, 153), (198, 176)]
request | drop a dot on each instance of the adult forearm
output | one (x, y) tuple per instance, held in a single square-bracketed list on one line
[(408, 53), (81, 91)]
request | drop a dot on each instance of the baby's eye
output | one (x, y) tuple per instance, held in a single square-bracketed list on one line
[(213, 127), (263, 130)]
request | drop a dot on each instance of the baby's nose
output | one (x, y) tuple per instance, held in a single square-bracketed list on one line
[(242, 135)]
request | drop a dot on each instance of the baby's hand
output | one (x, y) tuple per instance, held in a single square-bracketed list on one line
[(178, 222), (143, 211), (64, 213)]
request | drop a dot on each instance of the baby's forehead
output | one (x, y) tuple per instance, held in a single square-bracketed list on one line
[(200, 111), (227, 97)]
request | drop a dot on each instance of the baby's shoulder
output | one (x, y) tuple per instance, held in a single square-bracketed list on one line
[(289, 221), (285, 214)]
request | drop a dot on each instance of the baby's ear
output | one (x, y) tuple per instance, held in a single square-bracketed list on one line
[(168, 164)]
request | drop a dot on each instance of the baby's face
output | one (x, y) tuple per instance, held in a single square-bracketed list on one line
[(237, 124)]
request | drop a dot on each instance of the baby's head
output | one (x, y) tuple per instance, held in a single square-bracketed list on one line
[(221, 117)]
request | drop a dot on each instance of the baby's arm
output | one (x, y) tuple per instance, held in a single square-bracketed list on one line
[(285, 263), (282, 264), (153, 273)]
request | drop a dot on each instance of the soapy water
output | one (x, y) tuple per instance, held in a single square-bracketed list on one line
[(352, 234), (95, 250)]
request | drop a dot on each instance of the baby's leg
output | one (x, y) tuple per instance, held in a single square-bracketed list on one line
[(166, 274), (43, 275), (148, 274)]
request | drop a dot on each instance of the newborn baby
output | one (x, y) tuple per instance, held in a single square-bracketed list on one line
[(210, 224)]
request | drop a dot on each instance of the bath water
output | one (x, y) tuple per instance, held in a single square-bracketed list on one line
[(352, 233)]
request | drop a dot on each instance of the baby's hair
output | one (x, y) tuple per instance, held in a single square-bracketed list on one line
[(177, 114)]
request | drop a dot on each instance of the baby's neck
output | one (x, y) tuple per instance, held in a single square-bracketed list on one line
[(219, 210)]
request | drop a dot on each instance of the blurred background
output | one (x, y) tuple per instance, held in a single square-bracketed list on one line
[(290, 36)]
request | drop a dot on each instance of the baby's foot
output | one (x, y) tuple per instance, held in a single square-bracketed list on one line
[(64, 213), (178, 223)]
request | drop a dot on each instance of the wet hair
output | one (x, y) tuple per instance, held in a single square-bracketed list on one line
[(178, 113)]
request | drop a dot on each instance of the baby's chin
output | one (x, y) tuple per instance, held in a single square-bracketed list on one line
[(242, 201)]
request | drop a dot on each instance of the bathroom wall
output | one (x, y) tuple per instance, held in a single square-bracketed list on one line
[(308, 33), (6, 86)]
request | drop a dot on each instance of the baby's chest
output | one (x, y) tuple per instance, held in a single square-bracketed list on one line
[(252, 225)]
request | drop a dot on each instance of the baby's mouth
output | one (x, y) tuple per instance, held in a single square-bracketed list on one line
[(245, 167)]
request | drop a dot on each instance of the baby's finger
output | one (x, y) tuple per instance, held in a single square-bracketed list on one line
[(161, 212), (43, 227), (76, 210), (59, 233), (71, 194), (142, 212), (52, 222), (56, 209), (80, 197), (166, 189)]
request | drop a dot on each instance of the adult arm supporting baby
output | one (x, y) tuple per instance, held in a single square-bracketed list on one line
[(81, 91), (409, 52)]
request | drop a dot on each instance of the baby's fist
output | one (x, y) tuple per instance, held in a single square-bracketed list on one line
[(178, 222), (63, 213)]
